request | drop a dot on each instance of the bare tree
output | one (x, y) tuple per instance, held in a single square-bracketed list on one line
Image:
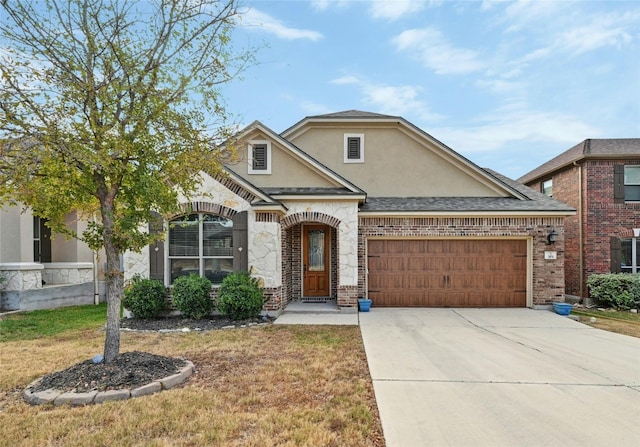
[(112, 108)]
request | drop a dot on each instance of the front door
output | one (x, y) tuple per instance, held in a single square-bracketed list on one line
[(315, 261)]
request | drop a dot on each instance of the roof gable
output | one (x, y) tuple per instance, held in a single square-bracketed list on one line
[(400, 158), (292, 169)]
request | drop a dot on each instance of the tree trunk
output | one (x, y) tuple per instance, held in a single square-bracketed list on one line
[(114, 282), (114, 277)]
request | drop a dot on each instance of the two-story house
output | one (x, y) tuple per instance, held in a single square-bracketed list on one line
[(601, 179)]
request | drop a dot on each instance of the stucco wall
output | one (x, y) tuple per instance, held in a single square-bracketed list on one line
[(396, 164)]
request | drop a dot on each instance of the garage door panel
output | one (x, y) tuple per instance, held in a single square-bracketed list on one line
[(448, 273)]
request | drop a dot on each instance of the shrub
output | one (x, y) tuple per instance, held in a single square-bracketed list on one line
[(240, 296), (146, 298), (619, 290), (191, 296)]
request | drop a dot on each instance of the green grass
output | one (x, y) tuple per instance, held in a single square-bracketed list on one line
[(617, 315), (43, 323)]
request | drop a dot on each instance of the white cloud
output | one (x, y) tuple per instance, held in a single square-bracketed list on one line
[(398, 100), (265, 22), (393, 10), (614, 30), (322, 5), (513, 125), (432, 49)]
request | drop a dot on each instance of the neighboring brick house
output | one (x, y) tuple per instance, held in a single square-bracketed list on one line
[(601, 179), (357, 204)]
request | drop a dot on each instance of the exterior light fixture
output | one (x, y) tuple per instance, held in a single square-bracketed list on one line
[(551, 237)]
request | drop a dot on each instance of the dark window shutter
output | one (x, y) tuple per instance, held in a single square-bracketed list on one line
[(240, 242), (618, 183), (353, 148), (260, 157), (616, 255), (156, 249)]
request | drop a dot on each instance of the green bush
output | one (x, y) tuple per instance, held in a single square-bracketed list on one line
[(191, 296), (146, 298), (240, 296), (619, 290)]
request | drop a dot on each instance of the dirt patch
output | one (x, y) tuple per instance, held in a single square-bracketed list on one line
[(129, 370)]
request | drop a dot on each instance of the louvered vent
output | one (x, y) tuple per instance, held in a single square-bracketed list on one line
[(259, 157), (353, 148)]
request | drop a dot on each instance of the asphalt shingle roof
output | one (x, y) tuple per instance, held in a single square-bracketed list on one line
[(591, 148), (534, 201)]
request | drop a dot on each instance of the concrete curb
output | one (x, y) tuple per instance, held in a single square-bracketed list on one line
[(57, 397)]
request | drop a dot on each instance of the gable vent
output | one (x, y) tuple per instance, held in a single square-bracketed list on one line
[(353, 148), (260, 157)]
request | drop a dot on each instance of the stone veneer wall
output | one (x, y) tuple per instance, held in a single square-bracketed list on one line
[(547, 276), (67, 273)]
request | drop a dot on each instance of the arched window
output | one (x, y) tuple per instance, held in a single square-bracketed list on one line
[(203, 244)]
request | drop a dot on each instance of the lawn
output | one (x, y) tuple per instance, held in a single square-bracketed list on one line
[(622, 322), (258, 386)]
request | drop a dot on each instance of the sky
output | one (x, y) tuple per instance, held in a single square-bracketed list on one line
[(508, 85)]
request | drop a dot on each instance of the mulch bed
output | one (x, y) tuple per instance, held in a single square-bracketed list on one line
[(134, 369)]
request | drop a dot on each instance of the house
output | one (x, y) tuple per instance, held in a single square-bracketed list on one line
[(356, 204), (601, 179), (40, 271)]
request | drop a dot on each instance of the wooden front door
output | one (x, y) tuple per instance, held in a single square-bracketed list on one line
[(315, 260)]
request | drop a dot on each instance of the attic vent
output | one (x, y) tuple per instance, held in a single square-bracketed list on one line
[(259, 157), (354, 148)]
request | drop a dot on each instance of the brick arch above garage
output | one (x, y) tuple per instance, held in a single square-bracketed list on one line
[(310, 216)]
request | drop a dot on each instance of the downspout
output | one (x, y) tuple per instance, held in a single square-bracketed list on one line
[(580, 242)]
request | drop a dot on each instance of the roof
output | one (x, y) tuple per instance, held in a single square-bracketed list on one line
[(590, 148), (353, 114), (533, 202)]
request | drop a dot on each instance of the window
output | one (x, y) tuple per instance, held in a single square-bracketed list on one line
[(625, 255), (41, 240), (547, 187), (632, 183), (630, 255), (259, 157), (353, 148), (201, 244)]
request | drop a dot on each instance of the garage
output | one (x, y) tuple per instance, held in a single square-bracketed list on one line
[(447, 272)]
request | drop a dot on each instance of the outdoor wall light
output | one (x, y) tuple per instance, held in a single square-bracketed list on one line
[(551, 237)]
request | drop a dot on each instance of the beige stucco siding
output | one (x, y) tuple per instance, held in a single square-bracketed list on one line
[(287, 170), (396, 163)]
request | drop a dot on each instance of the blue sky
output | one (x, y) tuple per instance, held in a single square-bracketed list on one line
[(506, 84)]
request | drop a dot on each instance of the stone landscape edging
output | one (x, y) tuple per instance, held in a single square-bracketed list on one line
[(57, 397)]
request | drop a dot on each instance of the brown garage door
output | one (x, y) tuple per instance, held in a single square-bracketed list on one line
[(447, 273)]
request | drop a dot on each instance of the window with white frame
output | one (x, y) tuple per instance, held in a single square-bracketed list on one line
[(259, 156), (547, 187), (202, 244), (632, 183), (354, 148), (630, 255)]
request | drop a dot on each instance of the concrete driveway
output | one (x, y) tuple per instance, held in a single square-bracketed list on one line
[(501, 377)]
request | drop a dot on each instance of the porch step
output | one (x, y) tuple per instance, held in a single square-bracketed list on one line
[(301, 307)]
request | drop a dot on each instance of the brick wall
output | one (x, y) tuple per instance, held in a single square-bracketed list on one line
[(547, 275), (603, 218)]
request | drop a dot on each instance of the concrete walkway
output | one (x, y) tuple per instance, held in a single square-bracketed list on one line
[(501, 377), (327, 313)]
